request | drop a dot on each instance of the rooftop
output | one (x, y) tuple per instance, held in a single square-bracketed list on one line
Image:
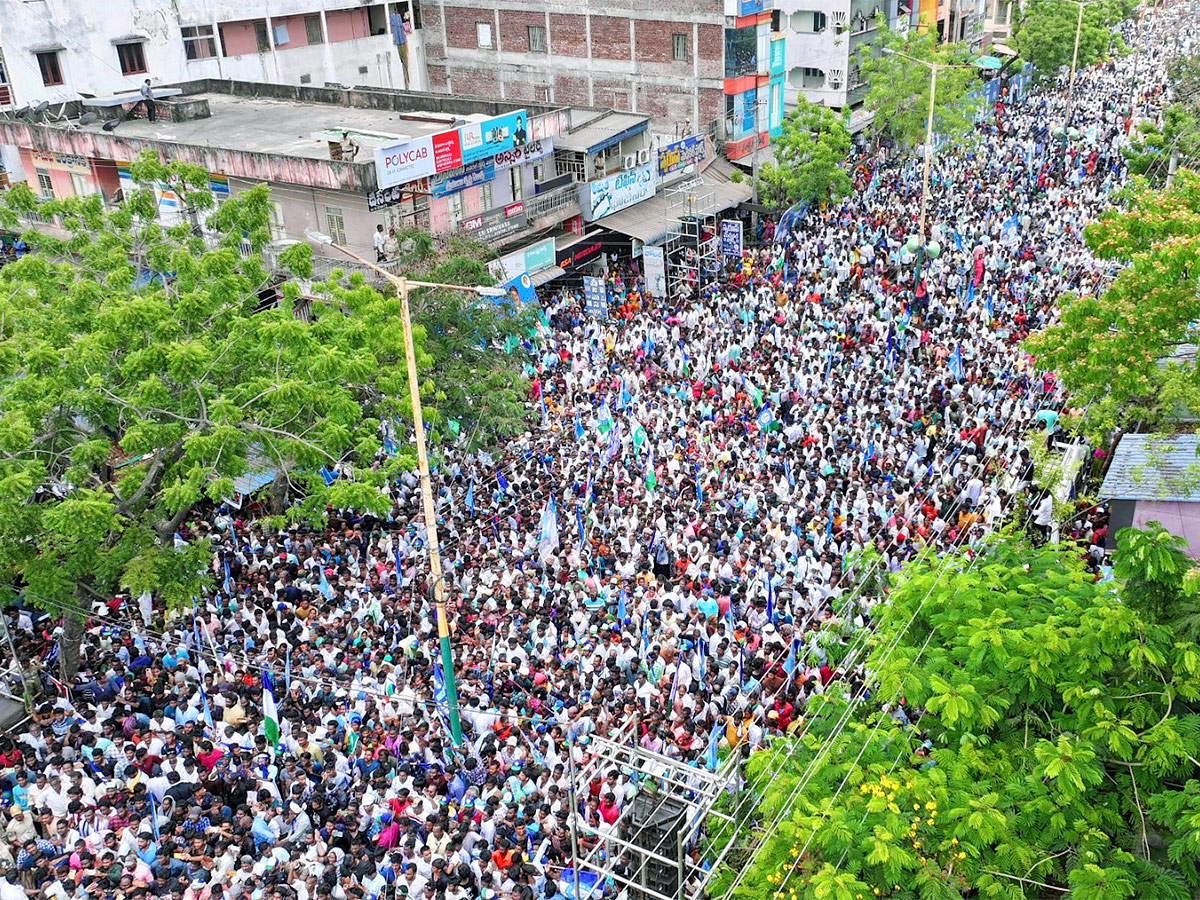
[(592, 133), (288, 127), (1154, 467)]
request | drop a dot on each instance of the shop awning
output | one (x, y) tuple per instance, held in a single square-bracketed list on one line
[(650, 220), (540, 278)]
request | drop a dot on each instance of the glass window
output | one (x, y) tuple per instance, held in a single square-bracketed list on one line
[(537, 38), (741, 51), (45, 185), (261, 38), (51, 73), (487, 199), (679, 47), (312, 29), (335, 224), (199, 42), (516, 182), (483, 34), (133, 59)]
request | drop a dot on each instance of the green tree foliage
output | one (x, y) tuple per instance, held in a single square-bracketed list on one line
[(1062, 750), (899, 88), (1108, 349), (143, 368), (1151, 148), (810, 158), (1044, 35)]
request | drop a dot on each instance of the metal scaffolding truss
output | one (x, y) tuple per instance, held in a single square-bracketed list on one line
[(691, 232), (654, 840)]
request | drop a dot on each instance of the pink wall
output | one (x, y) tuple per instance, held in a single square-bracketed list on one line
[(1182, 519), (238, 38), (439, 215), (297, 33), (346, 25)]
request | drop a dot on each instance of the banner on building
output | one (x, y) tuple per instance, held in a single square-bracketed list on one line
[(731, 237), (520, 290), (532, 259), (480, 140), (616, 192), (472, 175), (678, 156), (518, 156), (654, 265)]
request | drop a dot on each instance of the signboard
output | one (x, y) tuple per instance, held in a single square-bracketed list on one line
[(480, 140), (731, 237), (62, 162), (496, 223), (474, 174), (678, 156), (518, 156), (405, 162), (616, 192), (595, 297), (531, 259), (578, 254), (392, 196), (654, 264)]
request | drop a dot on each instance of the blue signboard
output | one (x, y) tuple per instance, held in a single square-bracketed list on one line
[(521, 289), (476, 173), (479, 140), (678, 156), (595, 297), (751, 7), (731, 237)]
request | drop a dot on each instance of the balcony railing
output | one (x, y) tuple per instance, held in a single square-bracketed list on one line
[(560, 198)]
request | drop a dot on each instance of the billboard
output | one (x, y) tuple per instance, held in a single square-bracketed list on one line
[(531, 259), (518, 156), (405, 162), (678, 156), (479, 140), (468, 177), (608, 195)]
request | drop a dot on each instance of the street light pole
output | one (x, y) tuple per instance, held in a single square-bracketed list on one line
[(402, 286), (1074, 62)]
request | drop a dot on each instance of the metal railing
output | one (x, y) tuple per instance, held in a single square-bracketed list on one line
[(559, 198)]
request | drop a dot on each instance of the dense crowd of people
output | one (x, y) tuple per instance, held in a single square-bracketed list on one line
[(669, 549)]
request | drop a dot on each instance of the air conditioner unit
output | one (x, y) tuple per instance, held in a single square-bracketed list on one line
[(630, 161), (643, 156)]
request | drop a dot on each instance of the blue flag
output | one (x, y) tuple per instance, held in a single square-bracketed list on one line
[(545, 414), (714, 742), (502, 482), (621, 610), (399, 567), (327, 475), (324, 587), (789, 662), (956, 363), (578, 427), (765, 418), (579, 523), (228, 585), (471, 496)]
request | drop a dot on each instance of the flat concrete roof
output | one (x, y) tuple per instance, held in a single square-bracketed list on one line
[(287, 127)]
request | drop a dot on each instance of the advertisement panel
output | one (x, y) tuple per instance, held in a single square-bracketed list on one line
[(731, 237), (447, 154), (405, 162), (531, 259), (518, 156), (595, 297), (472, 175), (678, 156), (480, 140), (496, 223), (616, 192), (520, 289), (654, 264)]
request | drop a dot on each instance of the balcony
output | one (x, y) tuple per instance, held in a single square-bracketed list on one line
[(560, 199)]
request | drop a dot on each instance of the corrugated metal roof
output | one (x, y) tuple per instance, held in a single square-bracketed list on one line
[(1154, 467), (600, 131), (650, 220)]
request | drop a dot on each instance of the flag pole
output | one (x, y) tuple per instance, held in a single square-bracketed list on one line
[(574, 813)]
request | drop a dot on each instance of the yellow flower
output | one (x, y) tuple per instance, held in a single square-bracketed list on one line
[(916, 806), (929, 821), (931, 805)]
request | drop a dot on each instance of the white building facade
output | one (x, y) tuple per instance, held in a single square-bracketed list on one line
[(56, 50)]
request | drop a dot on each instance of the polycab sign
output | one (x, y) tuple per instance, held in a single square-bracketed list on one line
[(405, 162)]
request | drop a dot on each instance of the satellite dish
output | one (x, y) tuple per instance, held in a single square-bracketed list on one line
[(111, 125), (42, 107), (88, 118), (22, 112)]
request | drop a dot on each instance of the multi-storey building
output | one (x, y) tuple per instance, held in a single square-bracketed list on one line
[(692, 66)]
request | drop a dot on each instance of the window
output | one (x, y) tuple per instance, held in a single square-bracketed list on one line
[(278, 231), (539, 172), (679, 47), (483, 34), (487, 199), (199, 42), (261, 38), (516, 182), (312, 29), (456, 208), (51, 73), (132, 58), (537, 38), (820, 22), (335, 224), (741, 51), (45, 185)]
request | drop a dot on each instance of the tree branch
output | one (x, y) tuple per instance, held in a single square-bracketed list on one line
[(152, 479)]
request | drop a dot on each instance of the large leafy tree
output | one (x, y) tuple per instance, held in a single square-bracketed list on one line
[(1054, 751), (1111, 350), (899, 88), (810, 157), (1155, 150), (143, 368), (1045, 33)]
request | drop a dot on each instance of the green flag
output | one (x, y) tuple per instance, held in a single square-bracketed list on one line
[(270, 714), (639, 435), (755, 394), (651, 481)]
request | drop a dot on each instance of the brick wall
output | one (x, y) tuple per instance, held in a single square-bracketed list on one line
[(475, 82), (514, 30), (437, 78), (570, 89), (610, 38), (568, 35), (712, 106), (460, 26), (654, 40)]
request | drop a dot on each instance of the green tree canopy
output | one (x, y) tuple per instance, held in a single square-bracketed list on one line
[(1110, 350), (1152, 147), (1061, 756), (143, 368), (810, 157), (899, 88), (1044, 34)]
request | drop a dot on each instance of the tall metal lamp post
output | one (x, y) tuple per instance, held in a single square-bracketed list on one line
[(402, 286)]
